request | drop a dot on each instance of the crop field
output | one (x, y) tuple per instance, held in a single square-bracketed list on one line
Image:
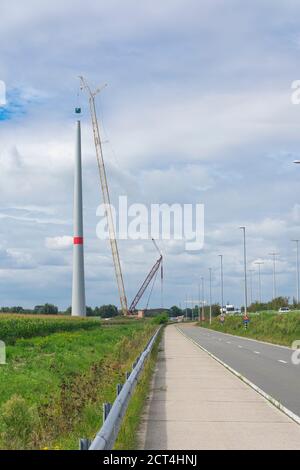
[(58, 373), (272, 327)]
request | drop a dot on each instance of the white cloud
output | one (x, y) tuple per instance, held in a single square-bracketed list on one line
[(59, 243), (198, 110)]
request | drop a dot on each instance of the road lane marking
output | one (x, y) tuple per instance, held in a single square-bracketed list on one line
[(283, 362), (228, 342), (272, 400), (241, 347), (256, 352)]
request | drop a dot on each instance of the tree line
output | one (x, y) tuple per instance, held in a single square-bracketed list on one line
[(104, 311)]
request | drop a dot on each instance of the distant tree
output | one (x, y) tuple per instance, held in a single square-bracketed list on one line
[(175, 311), (90, 312), (46, 309), (279, 302), (107, 311), (215, 310), (17, 309)]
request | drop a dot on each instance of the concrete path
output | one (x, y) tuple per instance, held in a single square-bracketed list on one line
[(196, 403)]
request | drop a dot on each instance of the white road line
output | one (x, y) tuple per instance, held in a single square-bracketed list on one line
[(244, 379), (283, 362), (228, 342), (241, 347), (256, 352)]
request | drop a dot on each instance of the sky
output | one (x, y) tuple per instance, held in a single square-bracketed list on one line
[(197, 110)]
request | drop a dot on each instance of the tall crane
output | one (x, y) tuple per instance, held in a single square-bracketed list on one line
[(105, 192), (112, 236)]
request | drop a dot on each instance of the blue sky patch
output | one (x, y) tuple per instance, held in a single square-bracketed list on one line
[(16, 106)]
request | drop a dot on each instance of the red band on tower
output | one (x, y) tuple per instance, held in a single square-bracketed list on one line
[(78, 240)]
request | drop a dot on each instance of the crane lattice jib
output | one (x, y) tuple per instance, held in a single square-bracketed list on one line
[(145, 284), (106, 199)]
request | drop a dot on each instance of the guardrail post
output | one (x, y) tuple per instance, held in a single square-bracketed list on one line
[(106, 410), (113, 413), (84, 444)]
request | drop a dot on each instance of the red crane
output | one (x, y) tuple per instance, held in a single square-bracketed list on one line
[(158, 264)]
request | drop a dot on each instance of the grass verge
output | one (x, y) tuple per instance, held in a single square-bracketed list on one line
[(273, 328), (52, 387)]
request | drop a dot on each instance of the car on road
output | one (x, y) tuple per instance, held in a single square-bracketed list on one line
[(284, 310)]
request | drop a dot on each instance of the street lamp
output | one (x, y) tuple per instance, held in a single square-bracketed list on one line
[(199, 295), (251, 285), (297, 264), (210, 269), (259, 263), (245, 269), (202, 284), (222, 283), (273, 254)]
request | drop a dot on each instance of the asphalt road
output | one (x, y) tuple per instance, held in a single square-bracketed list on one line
[(267, 366)]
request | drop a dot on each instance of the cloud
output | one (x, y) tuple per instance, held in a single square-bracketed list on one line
[(59, 243), (197, 110)]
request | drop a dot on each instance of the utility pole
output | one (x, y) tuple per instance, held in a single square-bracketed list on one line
[(78, 287), (245, 269), (222, 282), (186, 302), (297, 267), (210, 295), (199, 303), (202, 283), (273, 254), (259, 263), (251, 286)]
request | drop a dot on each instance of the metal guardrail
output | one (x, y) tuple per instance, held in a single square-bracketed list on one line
[(113, 413)]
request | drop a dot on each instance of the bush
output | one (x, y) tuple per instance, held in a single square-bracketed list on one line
[(161, 319), (20, 424)]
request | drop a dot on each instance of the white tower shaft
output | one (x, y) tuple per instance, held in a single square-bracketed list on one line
[(78, 288)]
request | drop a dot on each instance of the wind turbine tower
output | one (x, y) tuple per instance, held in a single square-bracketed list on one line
[(78, 287)]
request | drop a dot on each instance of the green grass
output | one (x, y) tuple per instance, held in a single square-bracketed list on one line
[(272, 327), (52, 388)]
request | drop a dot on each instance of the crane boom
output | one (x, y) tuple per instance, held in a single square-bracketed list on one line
[(145, 284), (106, 198)]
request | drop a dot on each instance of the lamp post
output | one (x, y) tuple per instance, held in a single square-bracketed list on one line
[(222, 282), (210, 270), (251, 286), (259, 263), (273, 254), (297, 267), (202, 285), (245, 269), (199, 295)]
